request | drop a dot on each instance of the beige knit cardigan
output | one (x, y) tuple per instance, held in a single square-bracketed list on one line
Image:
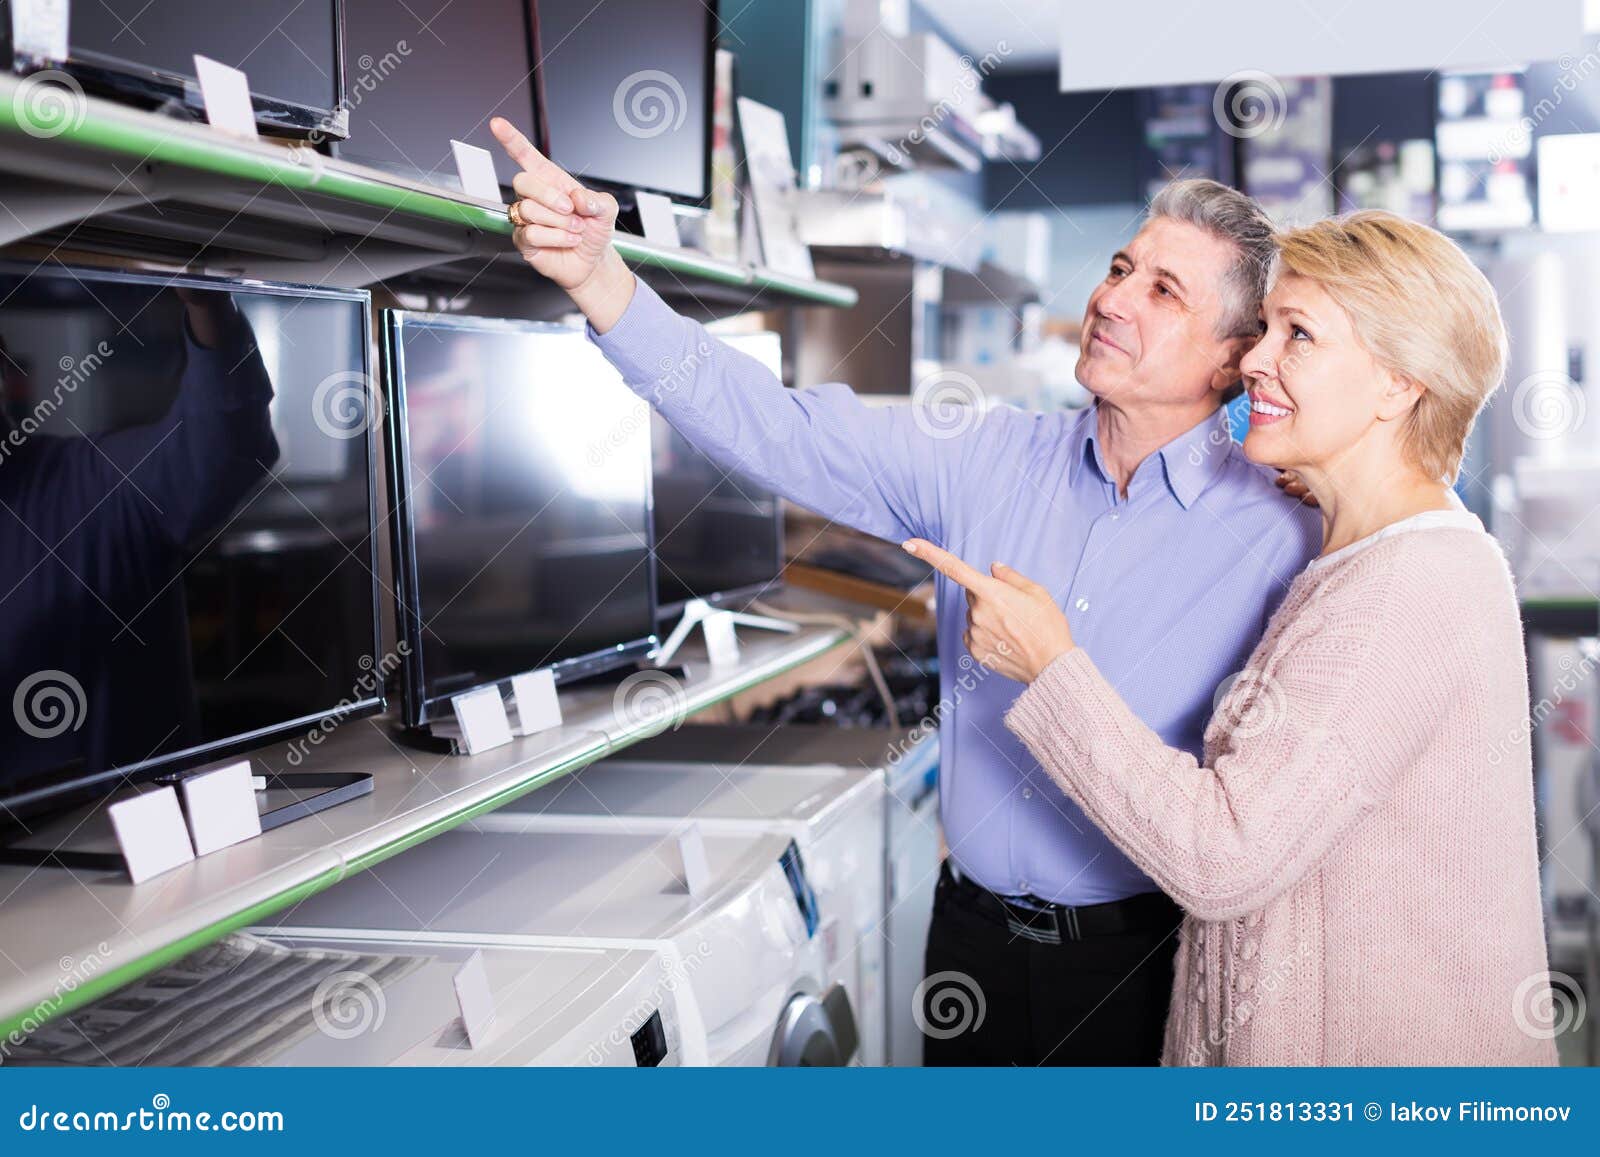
[(1356, 854)]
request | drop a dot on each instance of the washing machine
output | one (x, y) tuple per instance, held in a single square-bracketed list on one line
[(748, 974), (833, 814), (910, 844), (594, 1007)]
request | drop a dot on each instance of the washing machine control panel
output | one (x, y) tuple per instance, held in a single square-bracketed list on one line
[(650, 1042)]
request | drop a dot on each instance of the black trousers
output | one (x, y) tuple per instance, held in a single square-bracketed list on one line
[(993, 997)]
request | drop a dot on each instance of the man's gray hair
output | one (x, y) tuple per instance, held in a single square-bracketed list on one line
[(1235, 218)]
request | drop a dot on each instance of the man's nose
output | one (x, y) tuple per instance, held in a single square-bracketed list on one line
[(1115, 302)]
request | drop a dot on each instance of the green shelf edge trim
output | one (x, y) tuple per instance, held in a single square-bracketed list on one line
[(108, 132), (1561, 604), (97, 986), (104, 983)]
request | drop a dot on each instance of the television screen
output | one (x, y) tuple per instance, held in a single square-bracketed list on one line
[(717, 534), (187, 563), (426, 72), (626, 88), (522, 491), (145, 49)]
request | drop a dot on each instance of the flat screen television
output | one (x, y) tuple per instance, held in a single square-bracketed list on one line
[(625, 92), (422, 73), (718, 536), (187, 516), (143, 51), (520, 483)]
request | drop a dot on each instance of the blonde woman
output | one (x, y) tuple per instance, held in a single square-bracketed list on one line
[(1355, 854)]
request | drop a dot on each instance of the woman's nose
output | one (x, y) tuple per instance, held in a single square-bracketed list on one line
[(1258, 362)]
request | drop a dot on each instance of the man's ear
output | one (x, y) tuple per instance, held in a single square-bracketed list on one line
[(1227, 373)]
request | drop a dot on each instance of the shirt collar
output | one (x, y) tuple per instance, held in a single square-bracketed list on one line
[(1189, 462)]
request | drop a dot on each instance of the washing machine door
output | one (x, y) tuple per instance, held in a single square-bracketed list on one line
[(815, 1031)]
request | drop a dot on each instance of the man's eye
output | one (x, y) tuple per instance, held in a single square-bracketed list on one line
[(1163, 290)]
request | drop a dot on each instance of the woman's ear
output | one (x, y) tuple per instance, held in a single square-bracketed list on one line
[(1400, 396)]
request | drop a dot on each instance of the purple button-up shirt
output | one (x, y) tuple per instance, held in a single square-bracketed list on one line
[(1167, 589)]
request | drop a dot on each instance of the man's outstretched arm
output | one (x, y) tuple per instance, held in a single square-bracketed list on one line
[(873, 468)]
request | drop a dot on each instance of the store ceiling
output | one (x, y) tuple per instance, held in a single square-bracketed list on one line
[(1030, 29)]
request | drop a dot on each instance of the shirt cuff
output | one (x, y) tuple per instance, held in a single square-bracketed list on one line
[(1060, 704), (647, 332)]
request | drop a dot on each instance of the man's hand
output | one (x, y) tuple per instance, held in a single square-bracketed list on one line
[(564, 231), (1014, 626), (1289, 482)]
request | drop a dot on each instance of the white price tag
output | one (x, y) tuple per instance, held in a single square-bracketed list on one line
[(221, 806), (151, 833), (722, 642), (659, 223), (696, 867), (476, 1000), (538, 707), (481, 716), (39, 28), (475, 166), (225, 92)]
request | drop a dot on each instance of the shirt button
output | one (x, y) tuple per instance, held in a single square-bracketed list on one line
[(1027, 793), (1114, 517), (1082, 604), (1024, 887)]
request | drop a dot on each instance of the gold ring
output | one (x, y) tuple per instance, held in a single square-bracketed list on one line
[(516, 217)]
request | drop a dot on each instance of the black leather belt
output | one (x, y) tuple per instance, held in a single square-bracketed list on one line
[(1045, 923)]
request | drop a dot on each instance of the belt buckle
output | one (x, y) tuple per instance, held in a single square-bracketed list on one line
[(1044, 926)]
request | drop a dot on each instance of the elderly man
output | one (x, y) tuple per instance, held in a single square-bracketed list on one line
[(1157, 537)]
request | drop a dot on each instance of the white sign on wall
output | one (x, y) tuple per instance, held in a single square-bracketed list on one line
[(1184, 42)]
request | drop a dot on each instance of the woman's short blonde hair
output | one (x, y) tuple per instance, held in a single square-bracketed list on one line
[(1422, 309)]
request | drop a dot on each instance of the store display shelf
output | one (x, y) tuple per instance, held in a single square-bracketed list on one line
[(71, 936), (85, 174)]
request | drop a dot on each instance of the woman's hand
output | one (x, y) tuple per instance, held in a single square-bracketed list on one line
[(1014, 626), (564, 230)]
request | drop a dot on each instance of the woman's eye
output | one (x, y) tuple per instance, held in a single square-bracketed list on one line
[(1298, 334)]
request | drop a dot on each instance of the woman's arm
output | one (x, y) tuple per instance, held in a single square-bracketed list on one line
[(1312, 742)]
